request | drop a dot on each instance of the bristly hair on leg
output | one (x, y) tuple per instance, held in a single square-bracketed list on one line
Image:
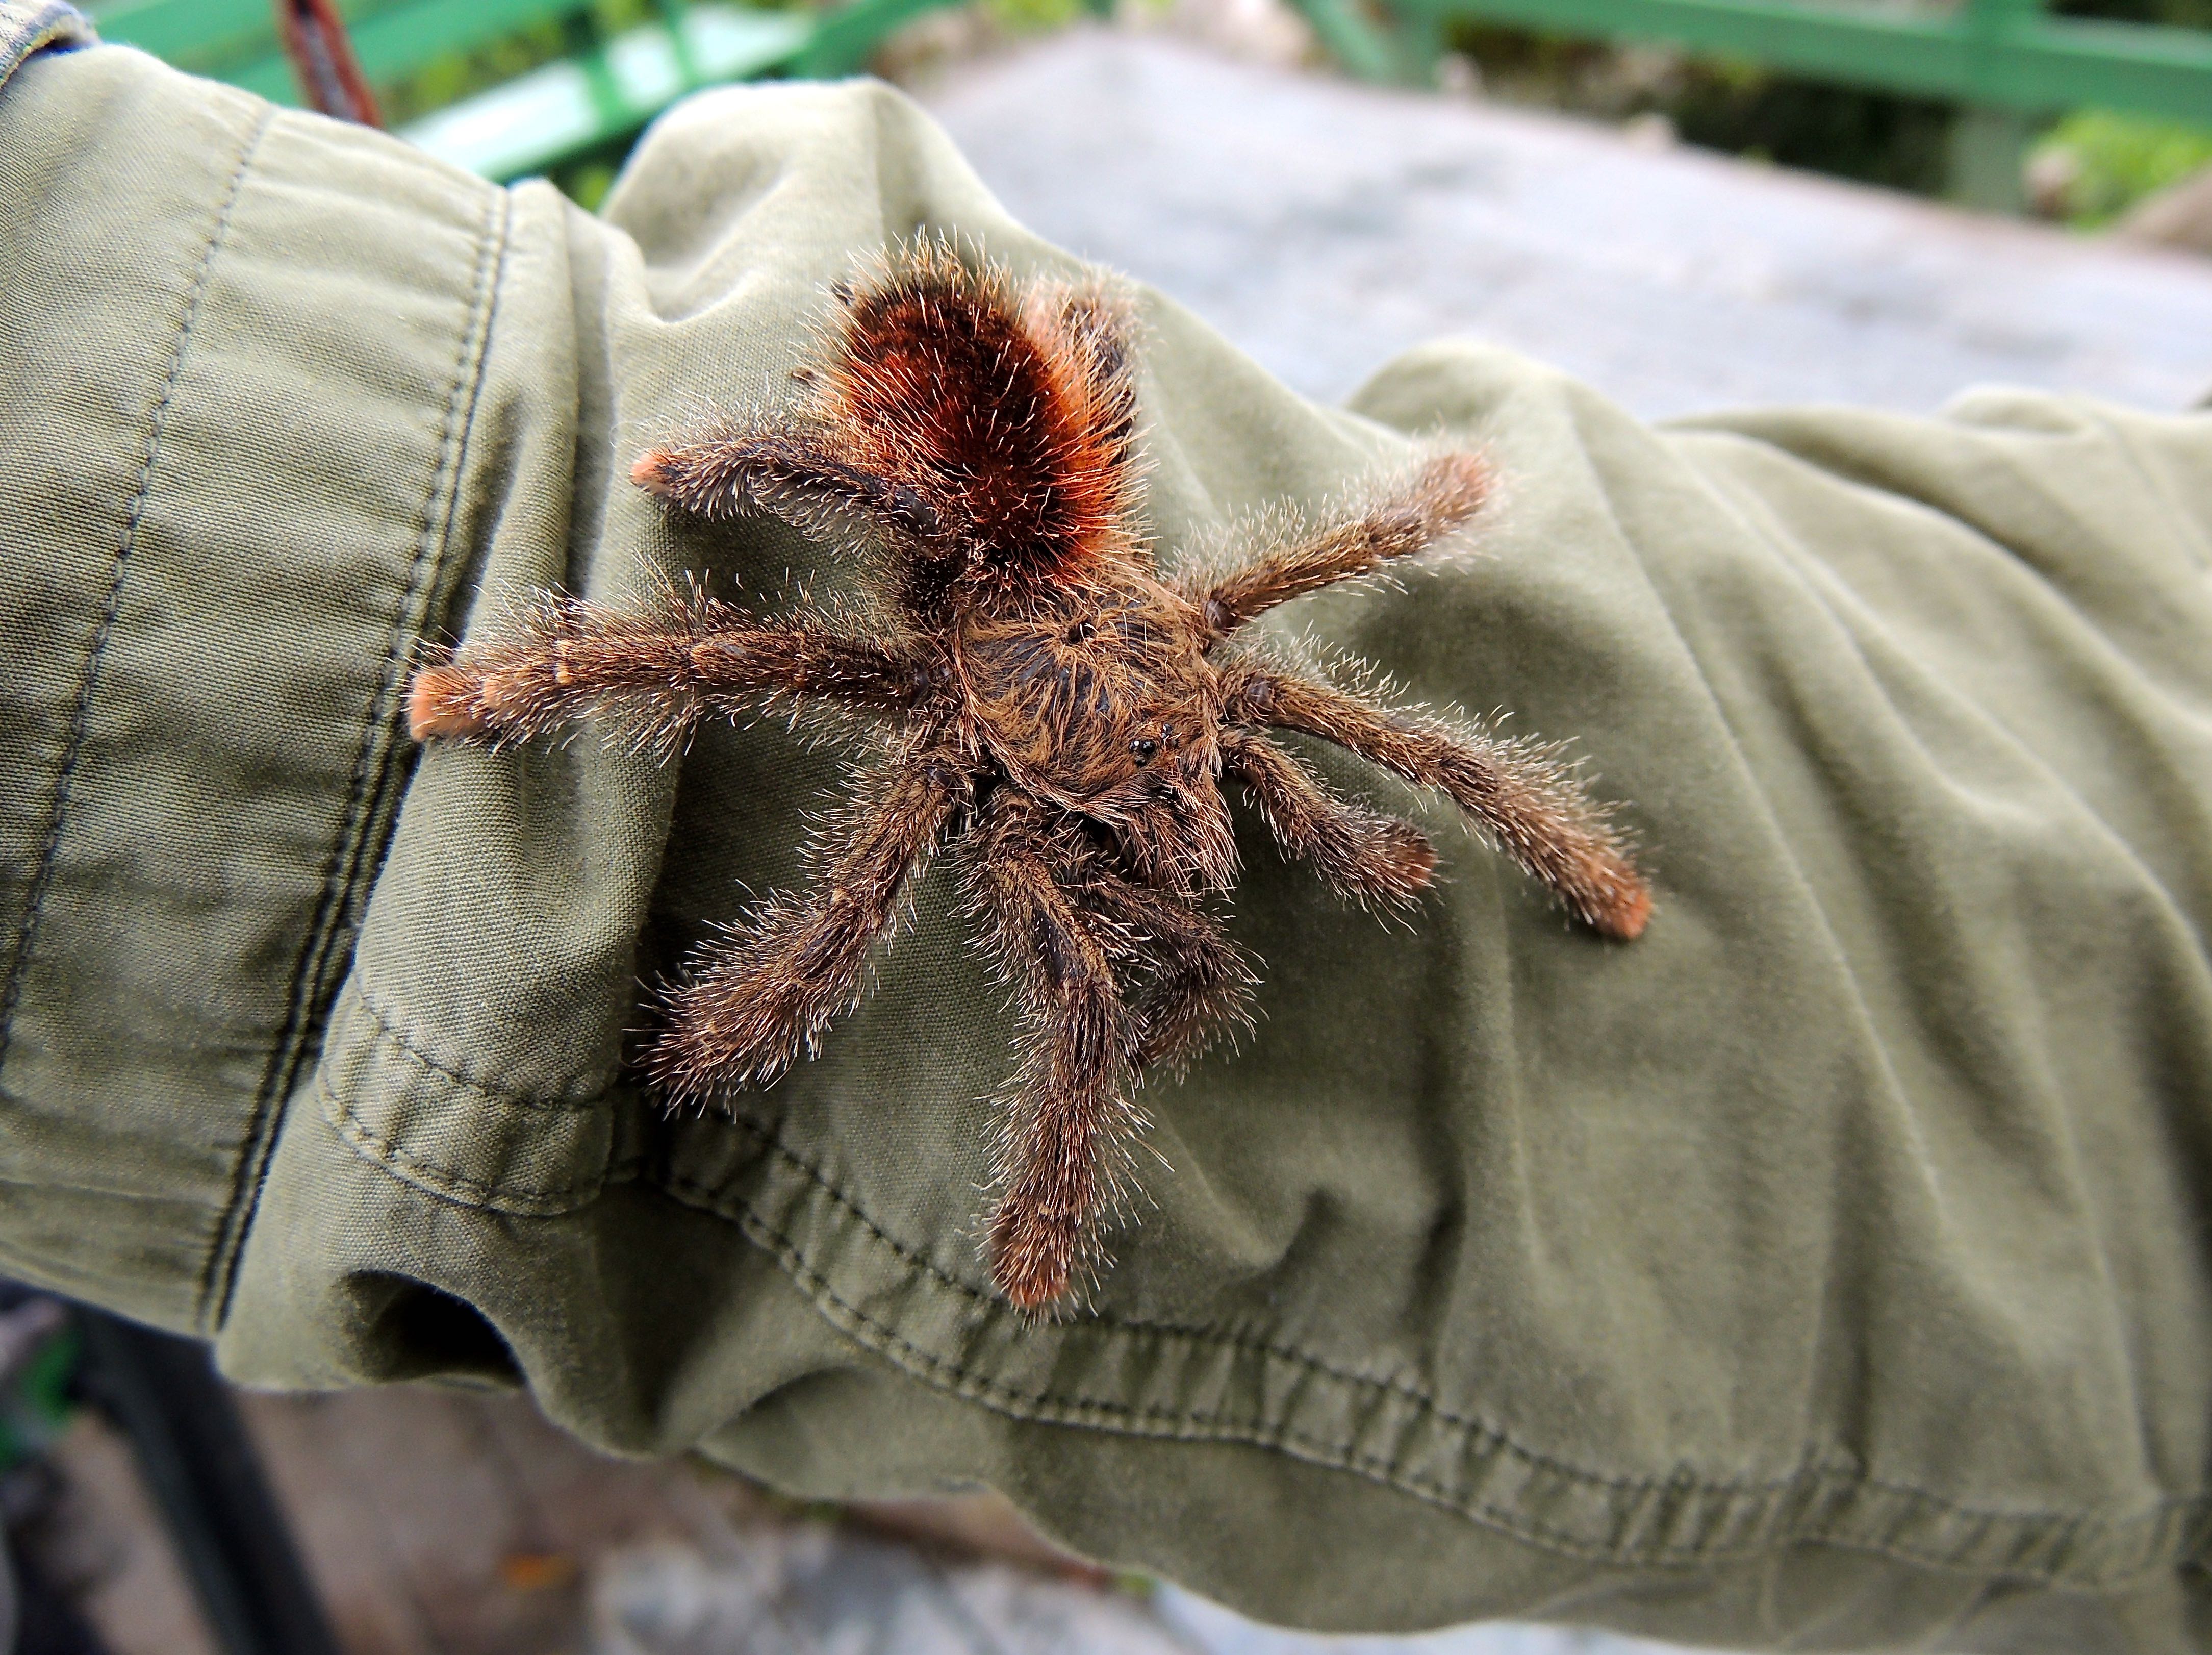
[(1061, 1157), (553, 659), (1406, 517), (1377, 862), (651, 671), (1188, 986), (1521, 792), (761, 996)]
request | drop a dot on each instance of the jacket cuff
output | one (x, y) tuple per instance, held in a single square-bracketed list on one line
[(30, 26), (249, 345)]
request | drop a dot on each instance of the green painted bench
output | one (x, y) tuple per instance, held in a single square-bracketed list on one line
[(603, 90)]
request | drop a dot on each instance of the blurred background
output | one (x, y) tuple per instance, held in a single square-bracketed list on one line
[(2078, 111), (1641, 191), (1690, 204)]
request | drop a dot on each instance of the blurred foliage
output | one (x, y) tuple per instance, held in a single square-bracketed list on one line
[(1722, 104), (2093, 167), (1032, 17), (464, 74), (587, 181), (1876, 138), (2182, 14), (2089, 168), (461, 74)]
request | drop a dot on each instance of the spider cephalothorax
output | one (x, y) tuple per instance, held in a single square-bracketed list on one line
[(1059, 714)]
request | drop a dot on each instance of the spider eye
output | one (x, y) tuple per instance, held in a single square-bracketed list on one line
[(1081, 632), (1144, 747)]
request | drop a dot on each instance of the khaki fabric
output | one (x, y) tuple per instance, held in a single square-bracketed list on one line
[(1828, 1269)]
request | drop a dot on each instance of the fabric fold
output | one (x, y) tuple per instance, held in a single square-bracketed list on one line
[(1826, 1267), (244, 507)]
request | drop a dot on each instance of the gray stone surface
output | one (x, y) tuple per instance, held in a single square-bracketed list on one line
[(1212, 1630), (1324, 226), (811, 1590)]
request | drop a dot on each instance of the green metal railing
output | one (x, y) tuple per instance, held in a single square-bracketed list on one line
[(604, 89), (2004, 62)]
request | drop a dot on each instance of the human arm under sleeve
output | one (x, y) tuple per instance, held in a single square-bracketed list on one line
[(1828, 1266)]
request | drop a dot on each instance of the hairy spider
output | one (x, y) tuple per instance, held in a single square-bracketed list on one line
[(1060, 715)]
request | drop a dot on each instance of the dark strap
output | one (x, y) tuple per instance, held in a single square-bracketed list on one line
[(323, 63)]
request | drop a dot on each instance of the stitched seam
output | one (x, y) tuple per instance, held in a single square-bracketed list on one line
[(1222, 1339), (389, 1033), (1331, 1455), (473, 1192), (310, 967), (372, 759), (80, 723), (1425, 1403)]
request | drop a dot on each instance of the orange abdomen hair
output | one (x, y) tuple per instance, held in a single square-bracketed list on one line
[(1015, 405)]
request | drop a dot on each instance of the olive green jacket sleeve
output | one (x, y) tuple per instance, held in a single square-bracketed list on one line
[(1829, 1267)]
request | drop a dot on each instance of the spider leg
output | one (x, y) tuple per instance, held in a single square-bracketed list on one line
[(812, 473), (1401, 523), (1202, 982), (1539, 812), (764, 996), (1202, 986), (665, 664), (1071, 1105), (1368, 857)]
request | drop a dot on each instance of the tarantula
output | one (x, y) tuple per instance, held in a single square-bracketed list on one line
[(1062, 716)]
